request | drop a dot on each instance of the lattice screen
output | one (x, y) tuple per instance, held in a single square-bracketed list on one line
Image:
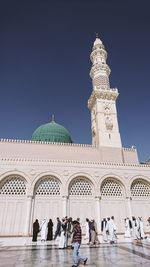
[(111, 188), (13, 186), (101, 81), (140, 188), (48, 186), (80, 187)]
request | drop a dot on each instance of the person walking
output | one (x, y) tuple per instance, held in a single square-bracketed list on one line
[(62, 240), (58, 229), (50, 230), (87, 229), (77, 237), (111, 227), (36, 229), (141, 228), (93, 234), (43, 229), (69, 229), (128, 227), (135, 227), (104, 229)]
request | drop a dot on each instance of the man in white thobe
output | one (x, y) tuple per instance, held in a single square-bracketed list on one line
[(44, 229), (128, 227), (141, 228), (62, 240), (135, 227), (112, 229), (87, 229), (104, 229)]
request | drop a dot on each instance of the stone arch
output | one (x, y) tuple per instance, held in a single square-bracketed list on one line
[(82, 183), (47, 203), (142, 177), (20, 174), (140, 187), (13, 184), (13, 195), (113, 193), (43, 175), (81, 193), (80, 187), (140, 194), (48, 185), (113, 186)]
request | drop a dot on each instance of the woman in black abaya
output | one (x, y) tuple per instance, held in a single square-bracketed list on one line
[(36, 229), (50, 230)]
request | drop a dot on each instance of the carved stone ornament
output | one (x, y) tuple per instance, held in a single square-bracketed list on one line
[(111, 94), (93, 132), (107, 110), (96, 174), (66, 173), (108, 123), (32, 172)]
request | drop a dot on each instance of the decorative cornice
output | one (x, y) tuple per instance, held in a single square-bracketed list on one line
[(99, 67), (55, 144), (44, 143), (129, 149), (98, 50), (110, 94), (73, 162)]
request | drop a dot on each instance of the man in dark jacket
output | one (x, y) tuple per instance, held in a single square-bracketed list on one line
[(77, 237), (58, 229)]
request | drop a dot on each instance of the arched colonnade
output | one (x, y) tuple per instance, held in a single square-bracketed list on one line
[(21, 202)]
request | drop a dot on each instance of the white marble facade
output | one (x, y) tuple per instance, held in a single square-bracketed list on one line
[(43, 187), (47, 180)]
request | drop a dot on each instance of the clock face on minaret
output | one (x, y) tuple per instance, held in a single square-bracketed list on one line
[(102, 102)]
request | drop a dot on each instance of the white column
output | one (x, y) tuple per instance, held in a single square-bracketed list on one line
[(98, 214), (129, 210), (64, 206), (28, 215)]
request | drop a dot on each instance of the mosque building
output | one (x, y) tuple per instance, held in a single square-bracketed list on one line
[(49, 176)]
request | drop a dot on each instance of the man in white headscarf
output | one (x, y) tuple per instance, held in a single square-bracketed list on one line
[(104, 229), (111, 227), (135, 227), (141, 228), (44, 229), (62, 240), (128, 227)]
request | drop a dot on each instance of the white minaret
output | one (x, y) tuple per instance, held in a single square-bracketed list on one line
[(102, 102)]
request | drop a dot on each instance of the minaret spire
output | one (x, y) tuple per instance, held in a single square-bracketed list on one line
[(102, 102)]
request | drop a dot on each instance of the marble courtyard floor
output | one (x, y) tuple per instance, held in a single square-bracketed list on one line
[(45, 255)]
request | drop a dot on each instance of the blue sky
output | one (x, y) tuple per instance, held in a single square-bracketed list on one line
[(44, 66)]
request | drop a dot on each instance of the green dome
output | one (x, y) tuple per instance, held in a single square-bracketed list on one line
[(51, 132)]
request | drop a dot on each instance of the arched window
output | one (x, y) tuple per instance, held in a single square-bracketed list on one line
[(13, 186), (80, 187), (140, 188), (111, 188), (48, 186)]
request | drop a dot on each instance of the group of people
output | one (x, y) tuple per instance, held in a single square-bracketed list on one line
[(70, 232), (65, 231), (108, 229), (133, 228), (46, 229)]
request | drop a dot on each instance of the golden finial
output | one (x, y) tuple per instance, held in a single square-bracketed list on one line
[(53, 119), (96, 34)]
